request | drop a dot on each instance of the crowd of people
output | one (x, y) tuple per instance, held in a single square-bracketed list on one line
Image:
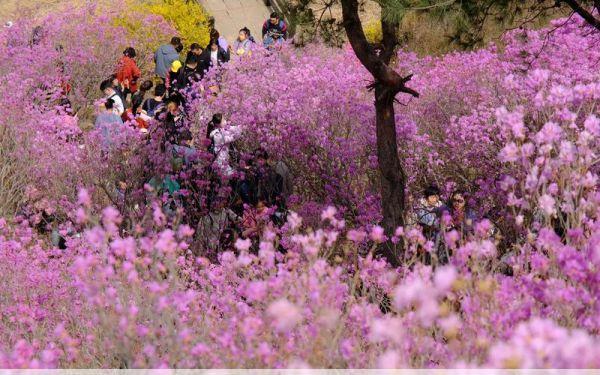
[(257, 186), (246, 192)]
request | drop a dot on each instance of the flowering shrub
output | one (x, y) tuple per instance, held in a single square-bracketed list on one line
[(187, 17), (50, 88), (133, 288)]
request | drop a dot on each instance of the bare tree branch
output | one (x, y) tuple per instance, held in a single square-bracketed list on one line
[(366, 53)]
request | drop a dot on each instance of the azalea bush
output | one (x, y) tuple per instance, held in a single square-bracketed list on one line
[(133, 287), (52, 74)]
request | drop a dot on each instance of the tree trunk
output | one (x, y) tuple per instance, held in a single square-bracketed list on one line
[(387, 84), (580, 8), (392, 176)]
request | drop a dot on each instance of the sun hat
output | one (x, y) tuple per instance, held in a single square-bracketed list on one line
[(175, 66)]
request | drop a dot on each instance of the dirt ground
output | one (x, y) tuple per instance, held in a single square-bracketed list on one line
[(11, 9)]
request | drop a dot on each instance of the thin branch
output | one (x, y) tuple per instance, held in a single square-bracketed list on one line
[(584, 13), (547, 40), (433, 6), (534, 17), (382, 73)]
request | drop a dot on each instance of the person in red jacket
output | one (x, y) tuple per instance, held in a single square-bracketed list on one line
[(128, 72)]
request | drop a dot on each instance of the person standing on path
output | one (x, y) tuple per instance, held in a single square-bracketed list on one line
[(214, 55), (165, 55)]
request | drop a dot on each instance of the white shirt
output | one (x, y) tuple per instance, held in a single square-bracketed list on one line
[(222, 138), (214, 57), (118, 108)]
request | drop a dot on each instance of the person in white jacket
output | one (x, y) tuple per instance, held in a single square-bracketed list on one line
[(108, 90), (221, 136)]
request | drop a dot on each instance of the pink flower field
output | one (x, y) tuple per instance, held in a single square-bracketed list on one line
[(129, 248)]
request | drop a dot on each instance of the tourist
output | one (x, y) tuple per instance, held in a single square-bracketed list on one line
[(221, 138), (255, 219), (214, 55), (463, 218), (195, 50), (185, 149), (188, 75), (174, 120), (173, 77), (211, 227), (107, 123), (153, 105), (107, 114), (128, 72), (269, 182), (429, 212), (243, 44), (274, 31), (214, 35), (139, 97), (110, 93), (165, 55)]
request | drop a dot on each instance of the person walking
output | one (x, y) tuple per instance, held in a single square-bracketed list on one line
[(221, 138), (128, 72), (165, 55)]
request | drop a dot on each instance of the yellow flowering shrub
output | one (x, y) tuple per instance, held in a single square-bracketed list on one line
[(186, 16)]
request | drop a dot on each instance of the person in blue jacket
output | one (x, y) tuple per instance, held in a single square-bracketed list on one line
[(165, 55)]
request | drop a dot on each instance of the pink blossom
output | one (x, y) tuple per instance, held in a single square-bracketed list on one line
[(83, 198), (510, 153), (389, 360), (378, 234), (256, 290), (284, 314), (329, 213), (243, 245), (356, 235), (547, 204), (445, 277), (294, 220)]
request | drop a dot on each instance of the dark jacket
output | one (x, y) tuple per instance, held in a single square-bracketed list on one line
[(280, 28), (222, 57)]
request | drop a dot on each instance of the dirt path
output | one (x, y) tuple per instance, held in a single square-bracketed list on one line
[(232, 15)]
